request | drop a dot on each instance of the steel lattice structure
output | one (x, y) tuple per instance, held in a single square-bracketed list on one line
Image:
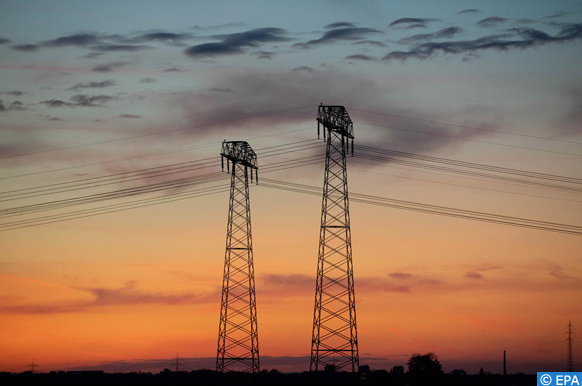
[(238, 338), (334, 339)]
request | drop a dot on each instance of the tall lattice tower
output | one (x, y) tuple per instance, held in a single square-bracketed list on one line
[(570, 365), (334, 340), (238, 337)]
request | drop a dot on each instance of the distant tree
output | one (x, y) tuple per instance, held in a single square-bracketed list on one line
[(424, 369)]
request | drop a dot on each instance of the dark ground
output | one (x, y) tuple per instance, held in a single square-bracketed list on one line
[(208, 377)]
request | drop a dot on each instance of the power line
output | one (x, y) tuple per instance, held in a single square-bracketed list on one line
[(468, 139), (467, 127), (158, 132)]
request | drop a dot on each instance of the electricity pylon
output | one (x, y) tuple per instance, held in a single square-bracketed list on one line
[(334, 340), (238, 337), (570, 365)]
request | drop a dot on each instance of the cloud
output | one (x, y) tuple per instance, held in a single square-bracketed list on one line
[(492, 21), (217, 89), (93, 55), (161, 36), (172, 69), (120, 48), (102, 84), (13, 93), (442, 34), (557, 15), (411, 22), (126, 295), (263, 54), (473, 275), (340, 34), (4, 40), (233, 44), (470, 10), (80, 100), (371, 43), (25, 47), (305, 69), (109, 67), (129, 116), (515, 38), (400, 275), (363, 58), (14, 106), (77, 40), (147, 80), (340, 24)]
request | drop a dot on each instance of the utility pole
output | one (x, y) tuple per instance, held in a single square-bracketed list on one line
[(570, 365), (238, 336), (504, 364), (32, 366), (334, 339), (177, 362)]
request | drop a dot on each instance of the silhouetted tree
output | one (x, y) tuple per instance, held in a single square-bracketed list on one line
[(424, 369)]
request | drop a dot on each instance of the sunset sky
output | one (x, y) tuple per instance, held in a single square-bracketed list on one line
[(94, 89)]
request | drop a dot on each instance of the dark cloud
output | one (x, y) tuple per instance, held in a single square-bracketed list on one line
[(13, 93), (263, 54), (470, 10), (371, 43), (102, 84), (55, 119), (473, 275), (445, 33), (25, 47), (4, 40), (129, 116), (160, 36), (80, 100), (172, 69), (557, 15), (340, 24), (217, 26), (120, 48), (109, 67), (14, 106), (216, 89), (492, 21), (364, 58), (515, 38), (91, 100), (306, 69), (411, 22), (235, 43), (340, 34), (147, 80), (77, 40), (93, 55)]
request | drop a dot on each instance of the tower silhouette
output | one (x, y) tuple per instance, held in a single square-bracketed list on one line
[(334, 340), (570, 365), (238, 339)]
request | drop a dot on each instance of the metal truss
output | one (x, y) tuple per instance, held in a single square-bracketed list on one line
[(334, 339), (238, 339)]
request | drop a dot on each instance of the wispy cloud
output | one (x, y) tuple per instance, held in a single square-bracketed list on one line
[(80, 100), (4, 40), (109, 67), (362, 58), (514, 38), (492, 21), (120, 48), (340, 34), (470, 10), (25, 47), (232, 44), (445, 33), (102, 84), (411, 22), (340, 24), (132, 116)]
